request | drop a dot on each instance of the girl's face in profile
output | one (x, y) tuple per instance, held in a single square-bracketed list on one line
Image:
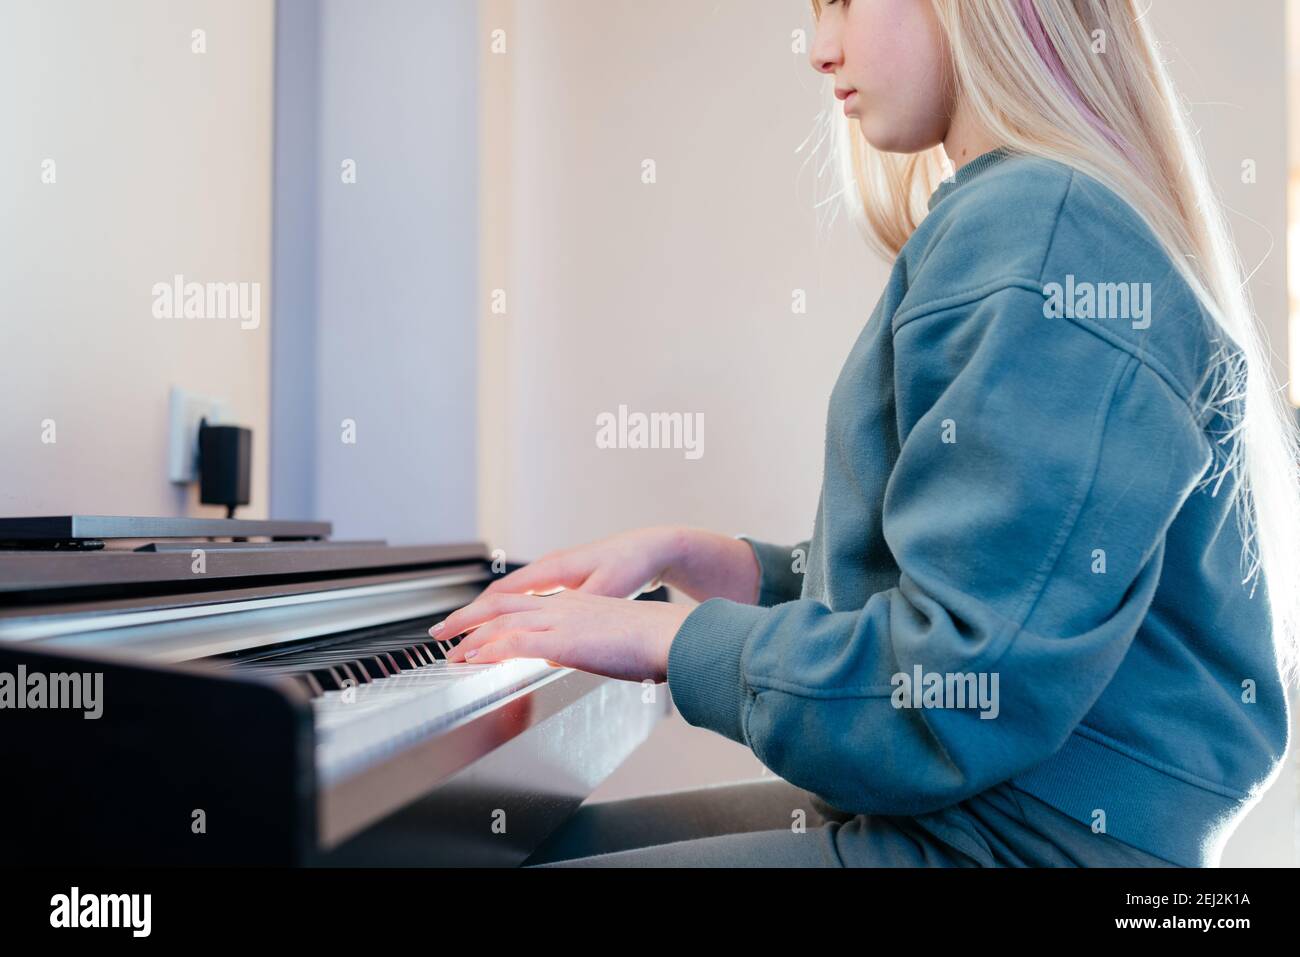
[(889, 62)]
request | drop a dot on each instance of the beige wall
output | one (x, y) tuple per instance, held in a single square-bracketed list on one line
[(676, 296), (671, 297), (163, 166)]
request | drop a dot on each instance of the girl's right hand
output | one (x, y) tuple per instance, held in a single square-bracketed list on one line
[(700, 563)]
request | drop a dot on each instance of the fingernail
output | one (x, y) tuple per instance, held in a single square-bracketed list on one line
[(437, 628), (471, 654)]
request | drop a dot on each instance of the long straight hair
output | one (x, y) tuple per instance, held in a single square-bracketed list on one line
[(1080, 82)]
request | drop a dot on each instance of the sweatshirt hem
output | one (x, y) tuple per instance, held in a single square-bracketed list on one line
[(1133, 802)]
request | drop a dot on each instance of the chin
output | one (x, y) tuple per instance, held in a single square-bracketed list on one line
[(898, 138)]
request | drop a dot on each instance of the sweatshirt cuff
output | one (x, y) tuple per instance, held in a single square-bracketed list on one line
[(704, 669), (778, 582)]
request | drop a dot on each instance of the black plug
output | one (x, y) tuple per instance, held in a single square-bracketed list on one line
[(225, 465)]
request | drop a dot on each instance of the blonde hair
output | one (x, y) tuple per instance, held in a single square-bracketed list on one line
[(1080, 82)]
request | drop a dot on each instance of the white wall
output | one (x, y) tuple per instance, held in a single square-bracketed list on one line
[(378, 277), (671, 297), (163, 166), (676, 296)]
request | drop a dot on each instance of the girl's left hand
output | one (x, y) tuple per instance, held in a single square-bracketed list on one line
[(617, 637)]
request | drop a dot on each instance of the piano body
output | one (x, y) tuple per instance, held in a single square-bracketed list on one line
[(272, 697)]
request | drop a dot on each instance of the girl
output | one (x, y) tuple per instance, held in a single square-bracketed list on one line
[(1049, 607)]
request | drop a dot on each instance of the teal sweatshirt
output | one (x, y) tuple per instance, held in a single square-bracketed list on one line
[(1018, 504)]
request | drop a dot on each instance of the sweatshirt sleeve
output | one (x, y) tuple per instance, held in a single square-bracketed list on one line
[(1038, 471), (780, 570)]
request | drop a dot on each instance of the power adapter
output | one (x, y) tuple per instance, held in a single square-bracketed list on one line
[(225, 465)]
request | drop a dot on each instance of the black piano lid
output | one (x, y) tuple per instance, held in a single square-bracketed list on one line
[(76, 528)]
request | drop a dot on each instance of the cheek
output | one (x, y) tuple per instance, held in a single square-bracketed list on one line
[(894, 52)]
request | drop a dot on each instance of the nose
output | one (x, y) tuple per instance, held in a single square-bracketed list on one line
[(825, 56)]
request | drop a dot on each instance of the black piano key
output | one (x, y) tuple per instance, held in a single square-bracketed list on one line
[(308, 681), (419, 651), (352, 667), (411, 650), (330, 678), (364, 661), (358, 671), (374, 666), (406, 654), (366, 669), (344, 672), (320, 664), (402, 659)]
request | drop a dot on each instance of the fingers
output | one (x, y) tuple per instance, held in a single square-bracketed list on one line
[(545, 574), (498, 629), (482, 609), (545, 644), (600, 584)]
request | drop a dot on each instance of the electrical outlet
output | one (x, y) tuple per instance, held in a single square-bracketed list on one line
[(187, 410)]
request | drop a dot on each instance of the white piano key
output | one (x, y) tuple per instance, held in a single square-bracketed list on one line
[(358, 726)]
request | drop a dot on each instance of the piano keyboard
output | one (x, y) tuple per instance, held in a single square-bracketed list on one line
[(389, 753), (335, 668), (387, 715), (374, 696)]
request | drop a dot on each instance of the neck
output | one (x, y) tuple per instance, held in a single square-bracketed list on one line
[(965, 140)]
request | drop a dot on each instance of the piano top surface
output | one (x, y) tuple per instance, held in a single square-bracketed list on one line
[(30, 571), (101, 527)]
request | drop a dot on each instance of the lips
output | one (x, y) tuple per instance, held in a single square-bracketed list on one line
[(843, 94)]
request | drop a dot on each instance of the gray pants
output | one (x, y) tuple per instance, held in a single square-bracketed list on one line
[(770, 823)]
